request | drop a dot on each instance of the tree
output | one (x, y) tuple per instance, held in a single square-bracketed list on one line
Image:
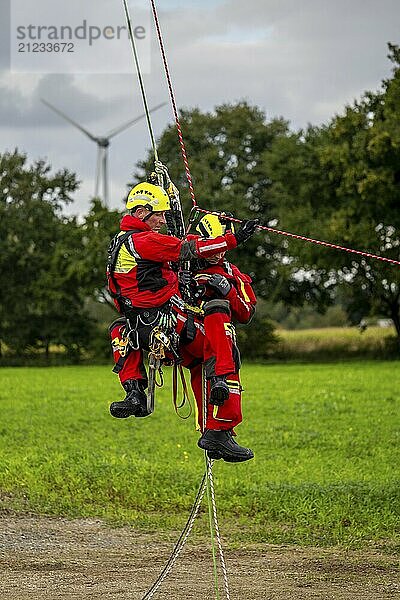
[(98, 228), (341, 183), (41, 298)]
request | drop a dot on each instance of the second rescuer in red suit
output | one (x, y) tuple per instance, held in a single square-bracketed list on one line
[(242, 303)]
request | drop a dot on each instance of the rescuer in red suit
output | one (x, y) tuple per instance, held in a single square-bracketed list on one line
[(143, 283), (226, 285)]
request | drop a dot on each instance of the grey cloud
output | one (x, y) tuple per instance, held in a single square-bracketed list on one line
[(26, 111), (316, 56)]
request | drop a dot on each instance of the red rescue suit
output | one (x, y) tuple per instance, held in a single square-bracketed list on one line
[(242, 301)]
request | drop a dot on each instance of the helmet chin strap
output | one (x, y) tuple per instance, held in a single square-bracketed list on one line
[(147, 216)]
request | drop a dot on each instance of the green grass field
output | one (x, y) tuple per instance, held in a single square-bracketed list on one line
[(326, 440)]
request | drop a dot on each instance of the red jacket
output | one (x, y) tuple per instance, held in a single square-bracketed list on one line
[(143, 272), (241, 296)]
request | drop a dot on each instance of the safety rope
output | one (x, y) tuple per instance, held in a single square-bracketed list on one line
[(207, 474), (185, 392), (173, 102), (209, 464), (139, 74), (306, 239), (181, 541), (211, 525), (212, 505)]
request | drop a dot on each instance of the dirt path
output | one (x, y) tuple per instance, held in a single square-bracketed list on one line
[(46, 558)]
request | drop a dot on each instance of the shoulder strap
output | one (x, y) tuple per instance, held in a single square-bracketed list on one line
[(113, 251)]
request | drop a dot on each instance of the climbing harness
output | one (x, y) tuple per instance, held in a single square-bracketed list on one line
[(185, 307)]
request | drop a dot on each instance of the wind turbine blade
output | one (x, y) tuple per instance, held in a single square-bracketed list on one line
[(67, 118), (132, 122)]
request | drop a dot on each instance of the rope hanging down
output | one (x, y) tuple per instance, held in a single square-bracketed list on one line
[(173, 102), (181, 541), (139, 74), (212, 505)]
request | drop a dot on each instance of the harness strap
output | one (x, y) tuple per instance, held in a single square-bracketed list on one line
[(119, 364), (124, 339), (115, 246), (185, 391)]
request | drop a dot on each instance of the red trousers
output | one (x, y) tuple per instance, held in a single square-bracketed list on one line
[(218, 417), (213, 345)]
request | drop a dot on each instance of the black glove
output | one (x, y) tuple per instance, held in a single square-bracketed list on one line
[(246, 231), (220, 284)]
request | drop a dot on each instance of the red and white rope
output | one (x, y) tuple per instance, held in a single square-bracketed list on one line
[(311, 240), (173, 102)]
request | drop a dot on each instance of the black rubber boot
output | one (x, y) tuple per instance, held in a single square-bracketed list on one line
[(221, 444), (134, 403), (219, 390)]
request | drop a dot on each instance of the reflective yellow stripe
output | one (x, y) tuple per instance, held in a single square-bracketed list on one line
[(230, 331), (234, 384), (243, 290), (196, 414), (215, 412)]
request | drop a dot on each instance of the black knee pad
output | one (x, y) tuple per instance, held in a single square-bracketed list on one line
[(218, 305)]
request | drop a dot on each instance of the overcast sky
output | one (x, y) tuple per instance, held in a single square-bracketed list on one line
[(300, 59)]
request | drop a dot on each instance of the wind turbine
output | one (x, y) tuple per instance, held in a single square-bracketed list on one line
[(103, 144)]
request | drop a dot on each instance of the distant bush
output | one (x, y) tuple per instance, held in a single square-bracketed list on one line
[(257, 340), (336, 343)]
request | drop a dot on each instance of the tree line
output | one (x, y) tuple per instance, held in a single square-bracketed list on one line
[(338, 182)]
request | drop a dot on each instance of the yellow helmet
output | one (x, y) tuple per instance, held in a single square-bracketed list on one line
[(153, 197), (212, 226)]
